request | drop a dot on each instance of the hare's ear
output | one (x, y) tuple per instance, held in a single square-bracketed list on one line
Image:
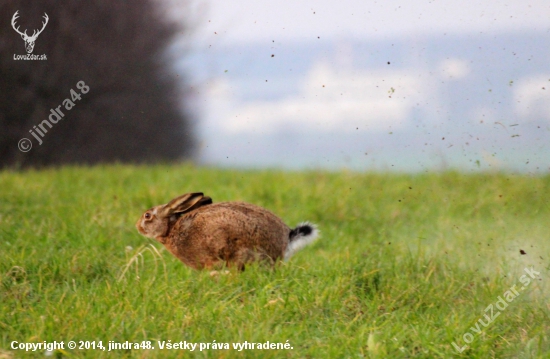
[(185, 203)]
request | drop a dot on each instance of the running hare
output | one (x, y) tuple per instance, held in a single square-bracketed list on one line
[(203, 234)]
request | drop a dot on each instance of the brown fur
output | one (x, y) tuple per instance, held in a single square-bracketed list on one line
[(206, 235)]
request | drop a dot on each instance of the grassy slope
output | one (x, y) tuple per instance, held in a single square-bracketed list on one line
[(406, 264)]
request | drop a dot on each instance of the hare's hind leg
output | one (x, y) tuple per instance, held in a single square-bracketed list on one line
[(245, 255)]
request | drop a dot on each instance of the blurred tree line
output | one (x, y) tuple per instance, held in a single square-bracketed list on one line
[(133, 109)]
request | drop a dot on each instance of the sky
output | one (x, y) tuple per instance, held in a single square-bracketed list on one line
[(237, 22), (371, 85)]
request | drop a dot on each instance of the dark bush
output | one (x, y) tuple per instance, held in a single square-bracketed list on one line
[(132, 112)]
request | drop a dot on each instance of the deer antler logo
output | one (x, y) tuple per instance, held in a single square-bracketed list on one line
[(29, 40)]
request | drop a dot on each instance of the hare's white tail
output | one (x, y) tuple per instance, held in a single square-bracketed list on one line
[(305, 233)]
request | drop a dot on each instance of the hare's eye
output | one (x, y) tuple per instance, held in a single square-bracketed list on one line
[(147, 215)]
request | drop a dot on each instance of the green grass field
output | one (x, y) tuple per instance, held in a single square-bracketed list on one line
[(406, 266)]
